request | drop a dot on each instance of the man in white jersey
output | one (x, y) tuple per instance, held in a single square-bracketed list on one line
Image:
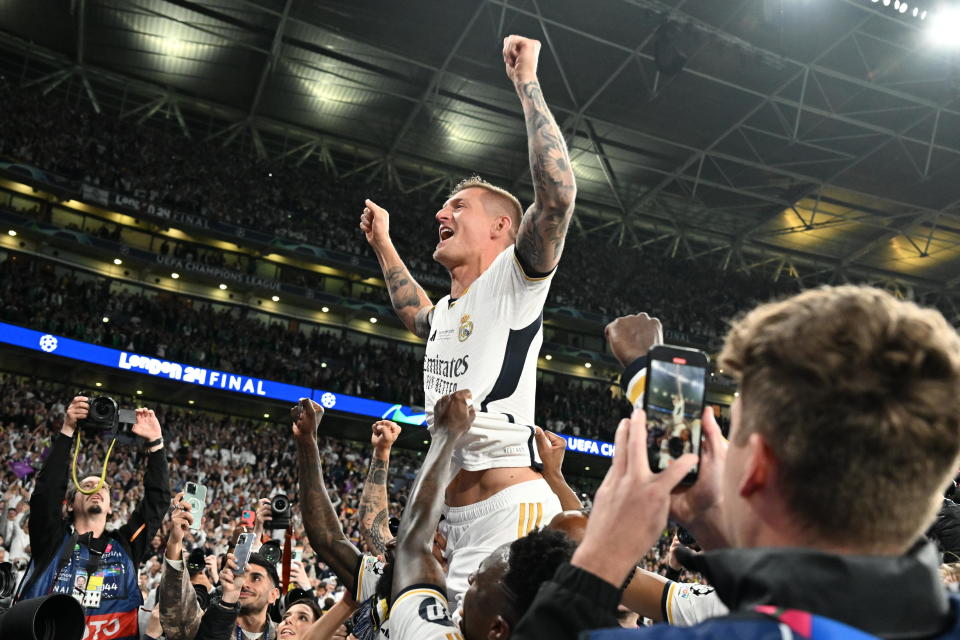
[(486, 335)]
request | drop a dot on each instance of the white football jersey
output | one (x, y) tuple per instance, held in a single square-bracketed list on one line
[(686, 604), (488, 340)]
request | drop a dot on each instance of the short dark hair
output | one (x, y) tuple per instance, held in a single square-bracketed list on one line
[(533, 560), (259, 560), (309, 602)]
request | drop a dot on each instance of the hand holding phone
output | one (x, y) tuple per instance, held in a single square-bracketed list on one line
[(242, 552), (195, 495), (673, 401)]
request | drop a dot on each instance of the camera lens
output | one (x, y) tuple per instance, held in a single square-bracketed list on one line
[(8, 580), (101, 407), (280, 503)]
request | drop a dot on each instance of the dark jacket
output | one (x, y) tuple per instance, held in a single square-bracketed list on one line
[(48, 527), (891, 597), (219, 622)]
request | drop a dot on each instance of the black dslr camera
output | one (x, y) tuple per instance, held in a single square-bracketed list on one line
[(279, 512), (105, 416)]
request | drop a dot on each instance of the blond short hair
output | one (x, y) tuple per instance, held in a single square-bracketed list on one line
[(858, 396), (511, 204)]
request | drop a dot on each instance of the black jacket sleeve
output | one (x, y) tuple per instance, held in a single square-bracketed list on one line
[(572, 602), (217, 623), (47, 525), (149, 513)]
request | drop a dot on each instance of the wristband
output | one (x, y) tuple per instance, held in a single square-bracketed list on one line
[(158, 441)]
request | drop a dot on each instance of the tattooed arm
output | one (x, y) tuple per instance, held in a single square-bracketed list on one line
[(544, 226), (319, 517), (374, 514), (409, 300), (415, 562)]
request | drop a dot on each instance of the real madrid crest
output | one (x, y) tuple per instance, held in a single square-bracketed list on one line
[(466, 328)]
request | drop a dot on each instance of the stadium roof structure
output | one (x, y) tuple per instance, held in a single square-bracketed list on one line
[(815, 138)]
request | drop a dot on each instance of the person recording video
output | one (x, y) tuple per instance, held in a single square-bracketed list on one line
[(74, 553)]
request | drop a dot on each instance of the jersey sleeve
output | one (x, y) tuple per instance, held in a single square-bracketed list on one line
[(686, 604), (510, 281), (369, 570), (421, 612)]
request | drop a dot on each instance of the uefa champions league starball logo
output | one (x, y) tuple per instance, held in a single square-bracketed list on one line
[(328, 400), (48, 343)]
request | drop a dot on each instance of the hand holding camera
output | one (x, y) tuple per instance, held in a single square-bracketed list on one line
[(78, 410), (147, 426)]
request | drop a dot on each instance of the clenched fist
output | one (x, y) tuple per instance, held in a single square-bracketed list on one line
[(520, 55), (454, 413), (632, 336), (383, 434), (375, 224)]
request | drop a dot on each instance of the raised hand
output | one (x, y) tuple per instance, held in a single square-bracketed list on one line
[(78, 410), (521, 55), (375, 224), (147, 426), (306, 418), (551, 448), (631, 337), (454, 413), (383, 434)]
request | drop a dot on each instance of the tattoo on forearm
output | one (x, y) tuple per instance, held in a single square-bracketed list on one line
[(544, 227), (373, 506), (406, 295)]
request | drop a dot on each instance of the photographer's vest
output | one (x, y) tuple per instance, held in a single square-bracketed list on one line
[(105, 584)]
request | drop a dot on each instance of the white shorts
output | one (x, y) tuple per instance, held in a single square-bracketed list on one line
[(495, 440), (475, 531), (420, 612)]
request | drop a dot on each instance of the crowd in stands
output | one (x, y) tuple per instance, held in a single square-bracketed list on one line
[(303, 203), (35, 294)]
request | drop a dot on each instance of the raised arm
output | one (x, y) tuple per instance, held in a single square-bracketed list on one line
[(374, 504), (551, 448), (319, 517), (544, 225), (415, 563), (408, 298)]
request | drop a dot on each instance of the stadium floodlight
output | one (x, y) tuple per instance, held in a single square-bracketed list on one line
[(587, 365), (275, 298), (903, 7), (117, 261), (325, 309), (944, 27), (548, 357), (373, 321), (175, 275), (886, 3), (106, 319), (223, 287), (12, 233)]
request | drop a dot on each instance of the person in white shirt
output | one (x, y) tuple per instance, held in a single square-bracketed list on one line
[(486, 334)]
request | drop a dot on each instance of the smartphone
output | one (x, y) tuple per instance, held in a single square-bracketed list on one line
[(195, 495), (248, 518), (296, 555), (673, 401), (242, 551)]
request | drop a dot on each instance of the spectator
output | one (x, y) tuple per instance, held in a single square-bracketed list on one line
[(66, 553), (845, 392)]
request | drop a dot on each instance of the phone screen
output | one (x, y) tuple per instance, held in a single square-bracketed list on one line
[(674, 405)]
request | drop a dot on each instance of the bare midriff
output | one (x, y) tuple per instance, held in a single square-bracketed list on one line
[(470, 487)]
